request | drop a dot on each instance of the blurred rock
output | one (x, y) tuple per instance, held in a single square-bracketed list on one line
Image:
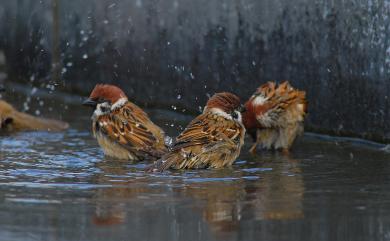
[(339, 52), (12, 121)]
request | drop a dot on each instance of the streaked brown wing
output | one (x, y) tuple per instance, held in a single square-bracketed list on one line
[(126, 128), (205, 129), (278, 101), (209, 140)]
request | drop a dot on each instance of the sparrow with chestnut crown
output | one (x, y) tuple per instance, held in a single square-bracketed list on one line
[(275, 115), (212, 140), (122, 129)]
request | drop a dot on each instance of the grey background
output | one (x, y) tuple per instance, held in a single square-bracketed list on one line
[(171, 52)]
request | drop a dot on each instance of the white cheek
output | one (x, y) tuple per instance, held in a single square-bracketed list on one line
[(259, 100), (220, 112), (119, 103)]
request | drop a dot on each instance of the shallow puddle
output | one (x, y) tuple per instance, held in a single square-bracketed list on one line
[(59, 186)]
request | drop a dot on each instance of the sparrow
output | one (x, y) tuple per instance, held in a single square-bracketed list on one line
[(122, 129), (275, 115), (12, 120), (212, 140)]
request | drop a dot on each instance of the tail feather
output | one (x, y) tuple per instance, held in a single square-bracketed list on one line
[(166, 162)]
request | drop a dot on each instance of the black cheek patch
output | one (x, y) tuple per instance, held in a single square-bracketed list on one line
[(97, 127)]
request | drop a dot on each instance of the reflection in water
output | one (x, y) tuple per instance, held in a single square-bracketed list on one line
[(282, 193), (109, 208), (271, 193), (276, 195), (58, 186)]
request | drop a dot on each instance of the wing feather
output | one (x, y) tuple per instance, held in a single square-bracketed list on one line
[(128, 127), (204, 139), (283, 105)]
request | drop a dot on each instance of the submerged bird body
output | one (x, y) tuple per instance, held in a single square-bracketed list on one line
[(275, 115), (213, 139), (12, 120), (122, 129)]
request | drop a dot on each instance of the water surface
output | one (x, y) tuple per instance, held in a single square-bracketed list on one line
[(59, 186)]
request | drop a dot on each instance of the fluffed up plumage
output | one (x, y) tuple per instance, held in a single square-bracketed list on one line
[(213, 139), (275, 115)]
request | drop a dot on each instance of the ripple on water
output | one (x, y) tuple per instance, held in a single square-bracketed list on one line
[(46, 157), (257, 169), (55, 185)]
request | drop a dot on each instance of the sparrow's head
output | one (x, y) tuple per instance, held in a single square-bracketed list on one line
[(263, 94), (225, 104), (110, 95)]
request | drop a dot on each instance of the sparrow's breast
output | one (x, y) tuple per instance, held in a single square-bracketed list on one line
[(113, 149)]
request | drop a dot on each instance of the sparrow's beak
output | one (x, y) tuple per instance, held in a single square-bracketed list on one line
[(90, 102), (242, 109)]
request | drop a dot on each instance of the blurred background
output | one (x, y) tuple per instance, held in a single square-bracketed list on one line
[(177, 53)]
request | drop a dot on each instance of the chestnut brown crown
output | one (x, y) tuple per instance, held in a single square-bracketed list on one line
[(105, 93), (225, 101)]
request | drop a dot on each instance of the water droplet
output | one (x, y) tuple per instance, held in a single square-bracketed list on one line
[(168, 43), (173, 107), (105, 21), (85, 56), (37, 112), (41, 103), (69, 64), (50, 87), (192, 76), (168, 140), (253, 63), (25, 105), (178, 96), (34, 90)]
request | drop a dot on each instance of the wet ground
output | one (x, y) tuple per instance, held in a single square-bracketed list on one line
[(59, 186)]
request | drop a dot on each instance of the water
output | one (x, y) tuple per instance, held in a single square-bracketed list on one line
[(59, 186)]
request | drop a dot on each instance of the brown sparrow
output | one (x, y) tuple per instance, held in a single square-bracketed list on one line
[(275, 115), (12, 120), (122, 129), (213, 139)]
